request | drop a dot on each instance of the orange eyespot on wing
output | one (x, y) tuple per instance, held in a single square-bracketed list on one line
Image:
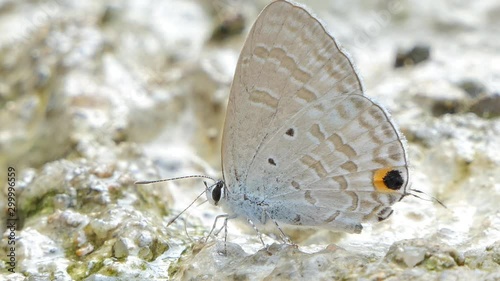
[(388, 180)]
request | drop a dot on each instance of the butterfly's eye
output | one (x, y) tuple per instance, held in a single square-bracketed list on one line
[(217, 192), (214, 193)]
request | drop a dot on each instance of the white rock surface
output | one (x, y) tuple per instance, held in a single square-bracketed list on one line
[(97, 94)]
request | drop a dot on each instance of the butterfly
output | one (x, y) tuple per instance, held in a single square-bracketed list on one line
[(302, 145)]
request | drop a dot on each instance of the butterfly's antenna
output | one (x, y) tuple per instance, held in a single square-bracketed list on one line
[(177, 178), (421, 192)]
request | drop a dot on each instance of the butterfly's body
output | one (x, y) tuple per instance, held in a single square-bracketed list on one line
[(302, 145), (262, 212)]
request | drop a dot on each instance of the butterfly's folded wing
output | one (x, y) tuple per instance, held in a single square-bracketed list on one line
[(298, 128)]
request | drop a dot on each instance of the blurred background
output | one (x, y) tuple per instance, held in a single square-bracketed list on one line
[(95, 95)]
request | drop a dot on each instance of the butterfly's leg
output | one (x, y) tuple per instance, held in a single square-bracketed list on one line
[(227, 217), (256, 230), (218, 231), (283, 236), (225, 235), (215, 224)]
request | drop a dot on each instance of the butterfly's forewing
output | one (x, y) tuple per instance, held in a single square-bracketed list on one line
[(299, 129), (287, 62)]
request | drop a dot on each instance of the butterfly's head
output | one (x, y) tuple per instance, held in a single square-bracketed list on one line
[(215, 192)]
